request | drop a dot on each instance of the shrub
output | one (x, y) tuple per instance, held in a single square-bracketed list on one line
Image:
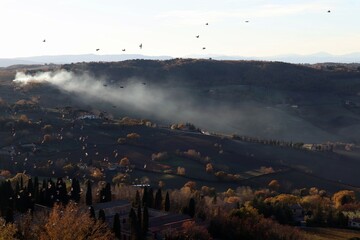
[(209, 168), (124, 162), (159, 156), (133, 136), (121, 140), (46, 138), (23, 118), (180, 171)]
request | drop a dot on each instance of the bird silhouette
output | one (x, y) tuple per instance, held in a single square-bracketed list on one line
[(97, 49), (206, 24), (44, 40), (123, 50), (329, 11), (140, 46), (204, 48), (197, 36), (247, 21)]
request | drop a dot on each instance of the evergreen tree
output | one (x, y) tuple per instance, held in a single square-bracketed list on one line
[(102, 216), (137, 199), (192, 207), (61, 192), (105, 193), (6, 197), (88, 194), (51, 193), (36, 190), (133, 224), (17, 188), (9, 217), (139, 217), (21, 183), (158, 199), (117, 226), (108, 192), (42, 193), (145, 197), (75, 190), (150, 200), (30, 187), (167, 202), (145, 225), (92, 212)]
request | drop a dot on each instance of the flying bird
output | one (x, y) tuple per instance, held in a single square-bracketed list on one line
[(44, 40), (247, 21), (329, 11), (197, 36), (206, 24), (204, 48), (97, 49), (123, 50), (140, 46)]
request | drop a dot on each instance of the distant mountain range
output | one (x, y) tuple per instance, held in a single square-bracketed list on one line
[(320, 57), (66, 59)]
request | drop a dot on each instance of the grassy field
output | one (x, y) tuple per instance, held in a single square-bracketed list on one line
[(332, 234)]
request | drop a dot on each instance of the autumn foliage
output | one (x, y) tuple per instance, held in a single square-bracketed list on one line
[(72, 222)]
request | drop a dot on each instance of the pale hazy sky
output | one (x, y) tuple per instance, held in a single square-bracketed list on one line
[(169, 27)]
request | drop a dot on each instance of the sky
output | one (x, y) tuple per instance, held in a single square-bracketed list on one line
[(170, 27)]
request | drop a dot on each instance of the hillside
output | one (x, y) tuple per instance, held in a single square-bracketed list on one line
[(313, 104), (224, 97)]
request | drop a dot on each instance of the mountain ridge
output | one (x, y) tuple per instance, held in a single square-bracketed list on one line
[(320, 57)]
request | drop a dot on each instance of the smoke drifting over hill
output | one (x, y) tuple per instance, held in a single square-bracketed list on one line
[(173, 104), (168, 104)]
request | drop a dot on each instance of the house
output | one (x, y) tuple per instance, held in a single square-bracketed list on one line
[(164, 221), (354, 223), (298, 212), (122, 207)]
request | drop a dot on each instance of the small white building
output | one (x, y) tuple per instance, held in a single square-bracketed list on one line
[(354, 223)]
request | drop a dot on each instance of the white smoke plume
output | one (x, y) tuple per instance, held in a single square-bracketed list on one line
[(174, 104), (167, 104)]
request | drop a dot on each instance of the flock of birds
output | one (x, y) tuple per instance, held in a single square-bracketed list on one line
[(197, 36)]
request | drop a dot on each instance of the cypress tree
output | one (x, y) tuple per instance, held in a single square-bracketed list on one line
[(49, 193), (9, 217), (137, 199), (36, 190), (167, 202), (21, 183), (88, 194), (117, 226), (30, 187), (17, 188), (75, 190), (145, 225), (102, 216), (145, 197), (108, 192), (150, 201), (133, 224), (139, 217), (61, 192), (92, 212), (192, 207), (158, 199)]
